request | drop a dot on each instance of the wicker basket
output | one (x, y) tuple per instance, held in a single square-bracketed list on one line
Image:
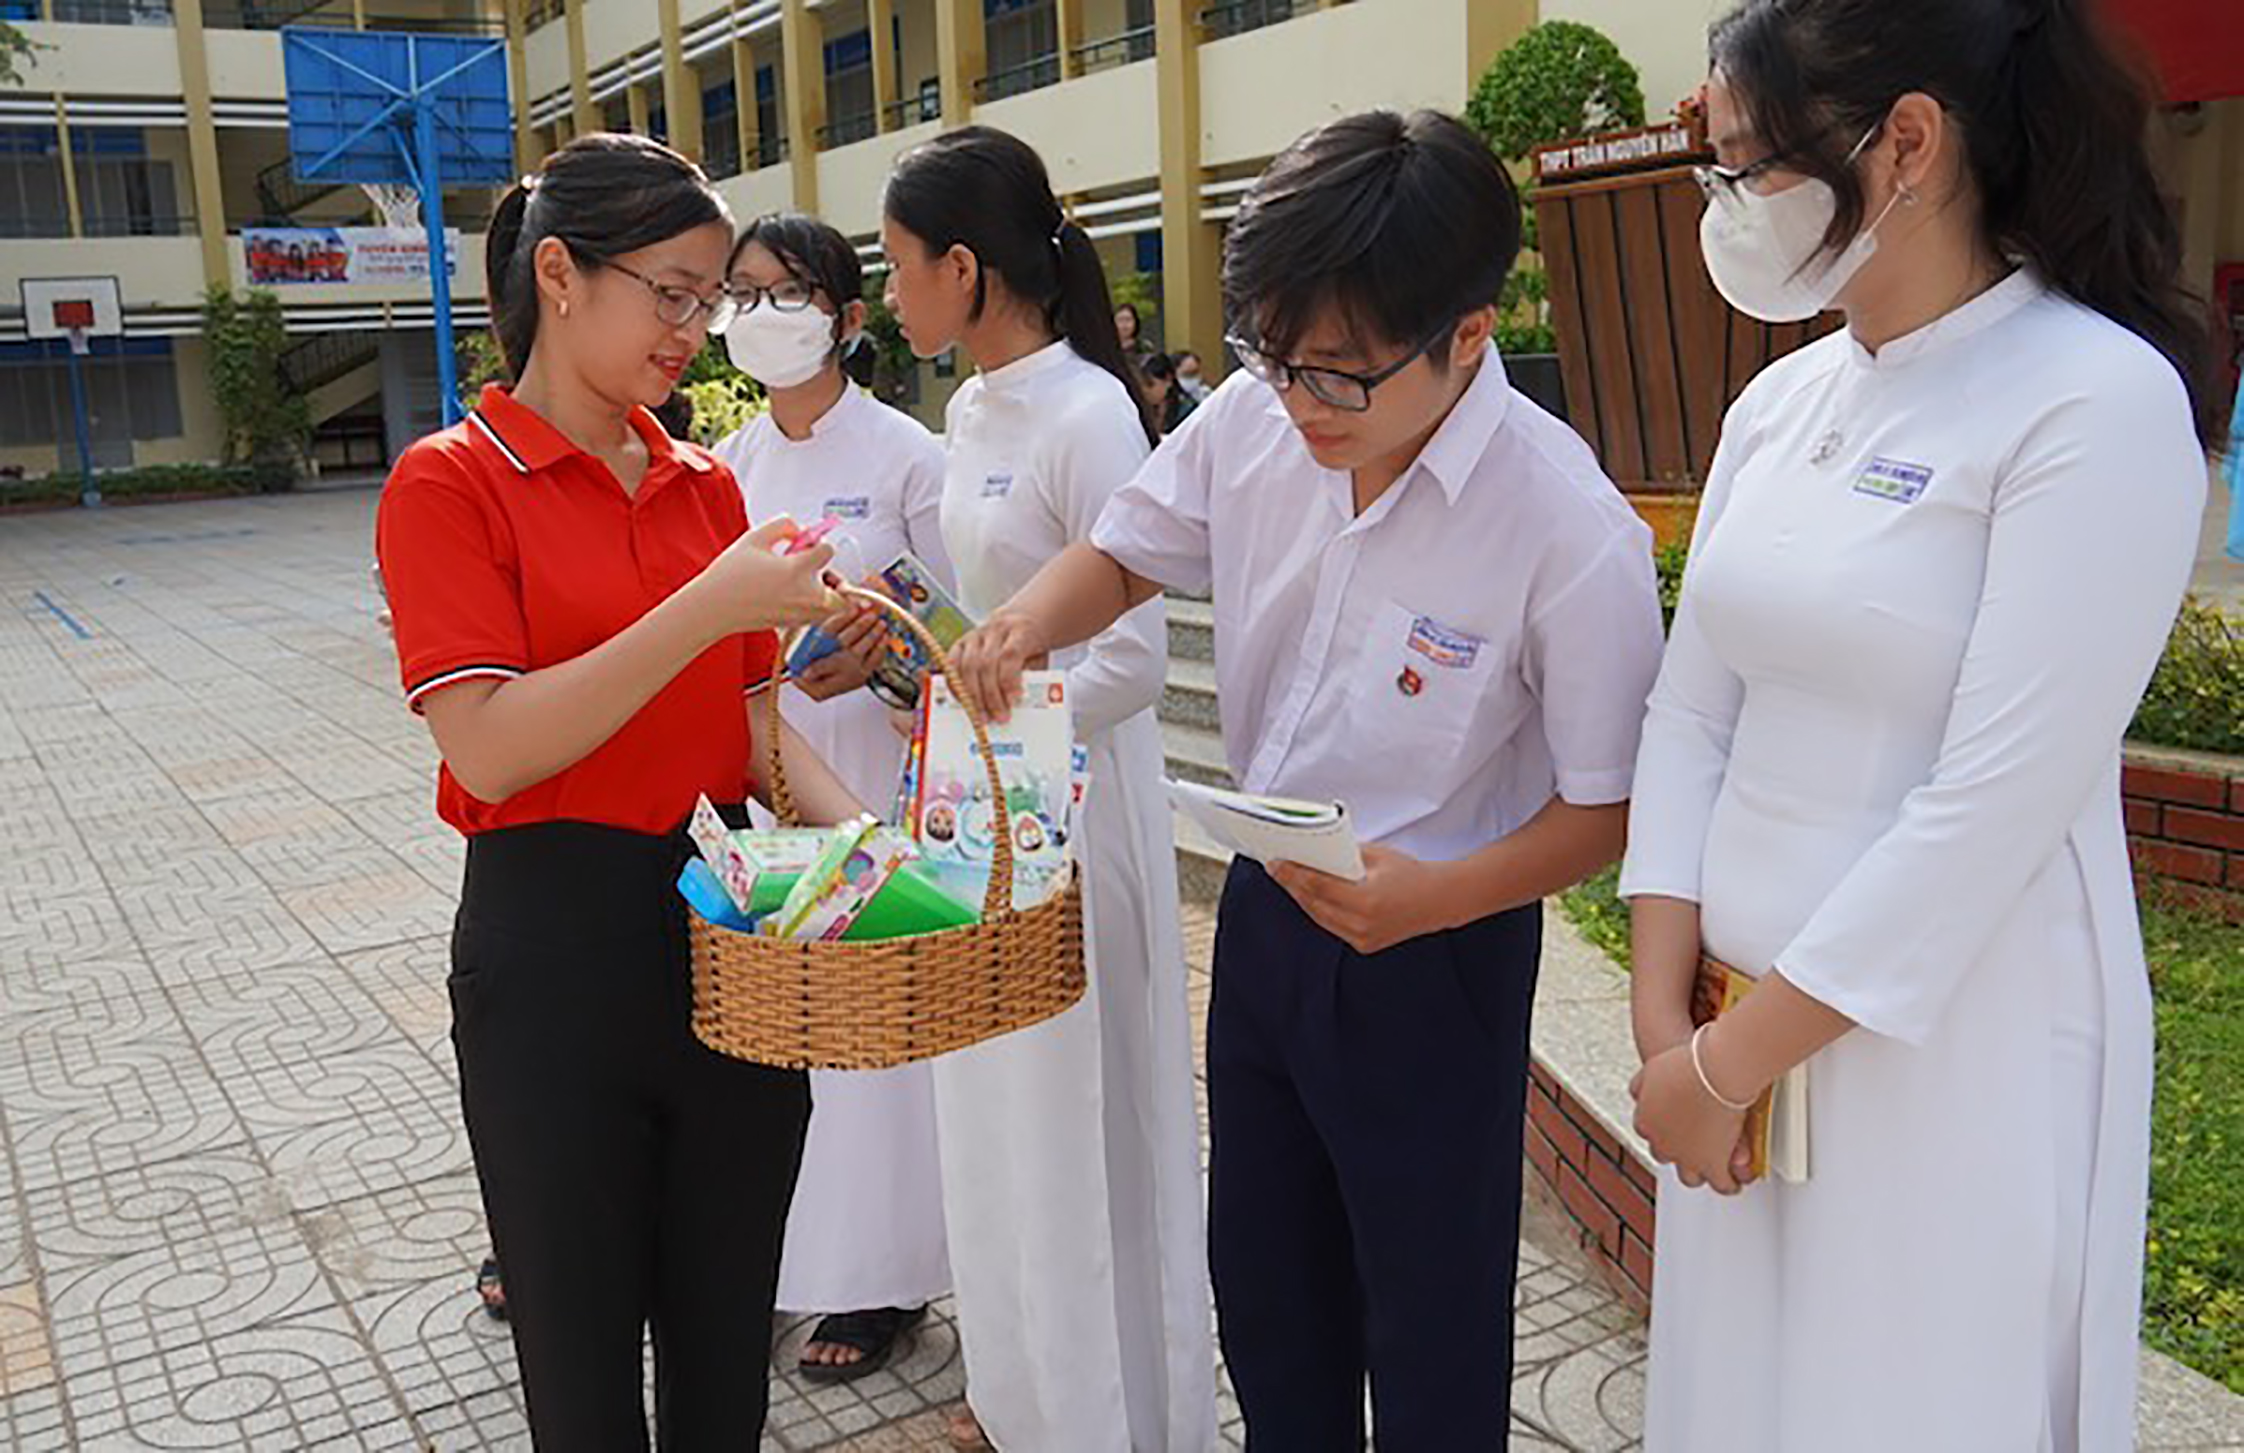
[(874, 1005)]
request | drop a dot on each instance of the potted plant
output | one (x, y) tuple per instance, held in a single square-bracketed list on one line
[(1560, 80)]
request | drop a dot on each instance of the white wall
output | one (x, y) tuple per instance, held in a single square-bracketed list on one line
[(246, 65), (102, 60), (851, 178), (770, 190), (1666, 39), (1260, 90), (167, 270), (1099, 131)]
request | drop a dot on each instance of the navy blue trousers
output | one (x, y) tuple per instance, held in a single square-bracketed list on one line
[(1365, 1174)]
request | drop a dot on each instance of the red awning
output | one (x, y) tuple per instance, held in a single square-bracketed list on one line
[(2197, 45)]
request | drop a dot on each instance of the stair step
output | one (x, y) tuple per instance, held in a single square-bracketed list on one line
[(1202, 864), (1191, 629), (1190, 698), (1195, 755)]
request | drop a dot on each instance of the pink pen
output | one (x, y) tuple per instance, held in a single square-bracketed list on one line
[(803, 540)]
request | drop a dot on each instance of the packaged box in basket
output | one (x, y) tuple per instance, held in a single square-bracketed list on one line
[(951, 813), (756, 869)]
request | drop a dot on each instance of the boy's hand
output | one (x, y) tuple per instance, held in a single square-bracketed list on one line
[(987, 666), (1398, 899)]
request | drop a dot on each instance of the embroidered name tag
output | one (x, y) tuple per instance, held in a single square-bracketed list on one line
[(997, 486), (1894, 480), (1443, 646), (858, 507)]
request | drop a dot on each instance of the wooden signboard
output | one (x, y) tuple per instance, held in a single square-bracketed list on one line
[(1651, 354)]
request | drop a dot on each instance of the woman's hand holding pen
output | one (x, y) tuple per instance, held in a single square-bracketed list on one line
[(752, 586)]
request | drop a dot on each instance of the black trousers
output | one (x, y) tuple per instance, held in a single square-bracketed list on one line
[(1365, 1174), (633, 1178)]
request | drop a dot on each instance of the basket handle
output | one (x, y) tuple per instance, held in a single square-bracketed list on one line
[(997, 898)]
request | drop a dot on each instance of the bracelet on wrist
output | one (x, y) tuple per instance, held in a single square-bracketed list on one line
[(1698, 1065)]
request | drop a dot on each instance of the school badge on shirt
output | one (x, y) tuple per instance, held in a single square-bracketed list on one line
[(1444, 645), (1894, 480), (998, 485), (853, 507)]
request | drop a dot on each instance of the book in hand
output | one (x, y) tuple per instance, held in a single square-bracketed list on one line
[(907, 581), (1274, 829), (1776, 1128)]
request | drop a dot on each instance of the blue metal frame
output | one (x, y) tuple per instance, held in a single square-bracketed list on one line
[(403, 107)]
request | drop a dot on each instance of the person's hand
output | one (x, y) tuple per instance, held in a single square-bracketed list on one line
[(1686, 1127), (987, 666), (751, 587), (863, 638), (1398, 899)]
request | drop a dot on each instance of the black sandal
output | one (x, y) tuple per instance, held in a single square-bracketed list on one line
[(871, 1335), (493, 1290)]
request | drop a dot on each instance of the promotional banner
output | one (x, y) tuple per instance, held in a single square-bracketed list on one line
[(285, 255)]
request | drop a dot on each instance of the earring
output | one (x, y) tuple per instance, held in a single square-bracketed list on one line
[(564, 307), (1908, 198)]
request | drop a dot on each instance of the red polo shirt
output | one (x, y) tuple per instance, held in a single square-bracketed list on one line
[(505, 549)]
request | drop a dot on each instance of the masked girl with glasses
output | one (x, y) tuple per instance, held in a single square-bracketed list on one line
[(582, 614), (865, 1238), (1937, 558), (1431, 606)]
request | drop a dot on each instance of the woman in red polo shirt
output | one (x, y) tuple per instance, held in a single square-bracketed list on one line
[(582, 615)]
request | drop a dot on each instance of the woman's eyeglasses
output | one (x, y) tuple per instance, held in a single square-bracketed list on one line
[(678, 307)]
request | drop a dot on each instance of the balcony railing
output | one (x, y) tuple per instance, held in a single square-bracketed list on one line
[(54, 227), (541, 11), (912, 110), (92, 12), (848, 130), (1237, 17), (273, 14), (1018, 80), (1125, 49)]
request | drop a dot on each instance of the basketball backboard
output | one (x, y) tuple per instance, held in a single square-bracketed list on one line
[(353, 98), (57, 307)]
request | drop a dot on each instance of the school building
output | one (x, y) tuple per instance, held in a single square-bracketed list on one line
[(147, 140)]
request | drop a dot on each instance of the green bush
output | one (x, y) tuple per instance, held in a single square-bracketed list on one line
[(1559, 81), (2196, 697), (266, 420), (155, 481)]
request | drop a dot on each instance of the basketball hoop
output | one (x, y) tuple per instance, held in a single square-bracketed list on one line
[(398, 205), (75, 318)]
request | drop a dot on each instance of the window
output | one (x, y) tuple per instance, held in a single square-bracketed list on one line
[(771, 147), (720, 130), (132, 392), (1023, 38), (849, 88), (31, 196)]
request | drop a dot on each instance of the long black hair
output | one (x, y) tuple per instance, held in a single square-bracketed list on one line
[(814, 253), (2053, 122), (603, 195), (987, 191), (1404, 223)]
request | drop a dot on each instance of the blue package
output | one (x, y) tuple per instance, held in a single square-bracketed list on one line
[(700, 888), (815, 646)]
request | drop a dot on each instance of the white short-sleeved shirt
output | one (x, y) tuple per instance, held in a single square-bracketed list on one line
[(881, 474), (1481, 639)]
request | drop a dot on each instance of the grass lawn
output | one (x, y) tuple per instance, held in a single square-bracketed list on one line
[(2193, 1281)]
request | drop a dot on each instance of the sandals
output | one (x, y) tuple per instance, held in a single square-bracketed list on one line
[(871, 1335), (965, 1431), (492, 1289)]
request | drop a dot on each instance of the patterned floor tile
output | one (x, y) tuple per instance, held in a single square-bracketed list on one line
[(371, 1151), (451, 1363), (107, 1106), (280, 1016), (407, 981), (180, 1294), (430, 1233), (144, 1207)]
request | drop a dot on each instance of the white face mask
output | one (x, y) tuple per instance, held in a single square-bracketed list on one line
[(1765, 253), (780, 350)]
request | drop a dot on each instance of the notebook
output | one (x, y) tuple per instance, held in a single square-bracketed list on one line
[(1274, 829), (1777, 1125)]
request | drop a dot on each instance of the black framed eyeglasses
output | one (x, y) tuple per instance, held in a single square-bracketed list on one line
[(1725, 183), (1349, 392), (788, 295), (677, 306)]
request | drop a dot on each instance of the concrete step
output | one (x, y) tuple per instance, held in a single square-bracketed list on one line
[(1202, 864), (1195, 755), (1190, 698), (1191, 629)]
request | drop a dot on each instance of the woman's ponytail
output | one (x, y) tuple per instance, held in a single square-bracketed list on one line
[(1084, 315), (988, 191), (2067, 185), (506, 278)]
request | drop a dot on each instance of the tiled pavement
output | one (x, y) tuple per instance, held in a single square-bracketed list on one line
[(236, 1204)]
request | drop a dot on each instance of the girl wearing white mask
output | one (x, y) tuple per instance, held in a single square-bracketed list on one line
[(1937, 558), (865, 1239)]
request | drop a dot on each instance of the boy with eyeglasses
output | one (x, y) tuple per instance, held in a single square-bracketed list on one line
[(1432, 606)]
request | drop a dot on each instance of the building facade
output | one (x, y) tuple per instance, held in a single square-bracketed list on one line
[(148, 136)]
